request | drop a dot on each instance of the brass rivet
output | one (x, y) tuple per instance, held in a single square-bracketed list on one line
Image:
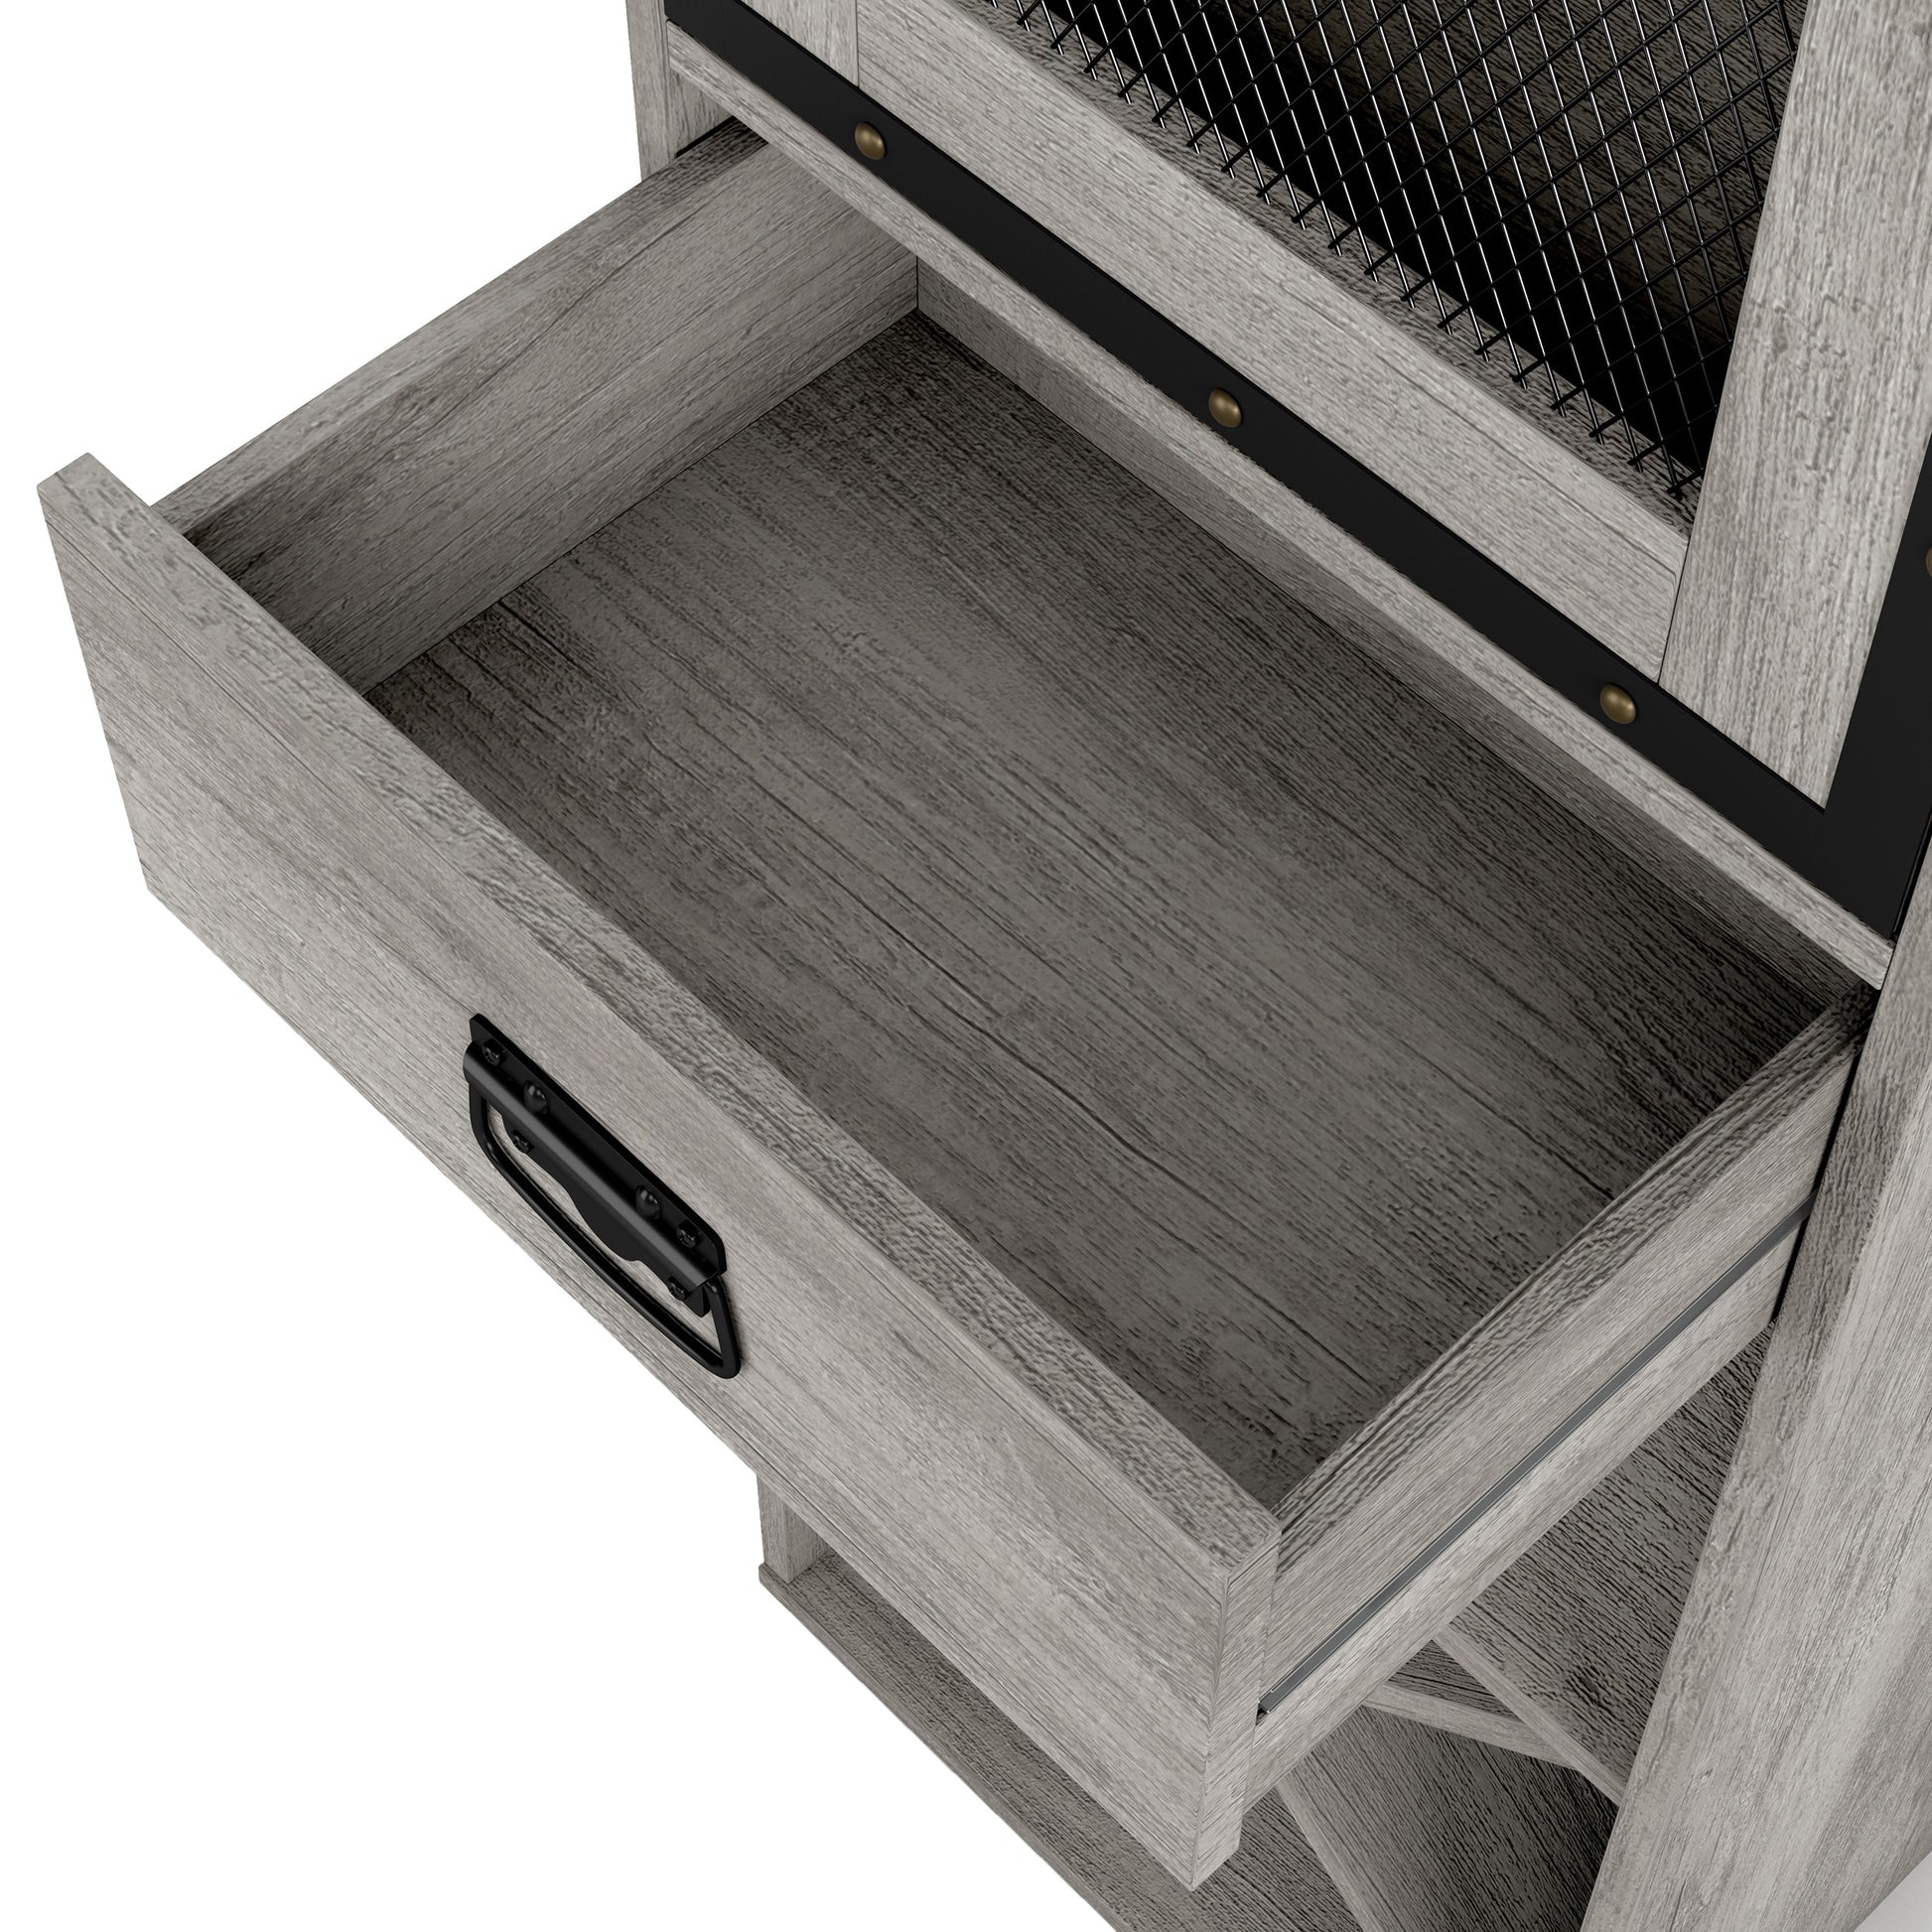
[(869, 141), (1619, 707), (1928, 562), (1224, 409)]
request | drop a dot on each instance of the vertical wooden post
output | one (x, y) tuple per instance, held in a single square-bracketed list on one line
[(1785, 1780), (1827, 401), (790, 1547), (671, 114)]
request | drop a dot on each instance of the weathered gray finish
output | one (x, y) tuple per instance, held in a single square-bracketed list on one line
[(423, 486), (1274, 1884), (1139, 983), (1574, 1636), (1379, 1505), (827, 28), (1827, 402), (671, 112), (1561, 749), (1785, 1783), (939, 759), (1567, 752), (1121, 192), (1432, 1689), (1101, 1578), (792, 1545), (1469, 1564), (864, 726), (1422, 1832)]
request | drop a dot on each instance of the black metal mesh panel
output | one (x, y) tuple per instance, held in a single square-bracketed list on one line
[(1573, 185)]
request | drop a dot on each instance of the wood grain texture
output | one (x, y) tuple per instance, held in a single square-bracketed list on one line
[(420, 490), (1119, 191), (1383, 1501), (1051, 1532), (1274, 1884), (1230, 1028), (1570, 755), (1785, 1781), (1423, 1832), (1572, 1637), (1562, 750), (1469, 1564), (671, 112), (1432, 1689), (1827, 401), (826, 28), (792, 1545)]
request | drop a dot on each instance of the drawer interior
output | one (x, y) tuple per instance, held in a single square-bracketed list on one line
[(1215, 1163), (1240, 1008)]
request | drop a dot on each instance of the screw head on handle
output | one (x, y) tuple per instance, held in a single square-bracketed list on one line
[(536, 1099), (869, 141)]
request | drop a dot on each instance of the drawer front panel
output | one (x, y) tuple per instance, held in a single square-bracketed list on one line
[(1100, 1582)]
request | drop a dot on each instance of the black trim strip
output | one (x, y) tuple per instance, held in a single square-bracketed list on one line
[(1527, 1467), (1862, 849)]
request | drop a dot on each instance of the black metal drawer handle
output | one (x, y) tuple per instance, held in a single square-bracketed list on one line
[(623, 1203)]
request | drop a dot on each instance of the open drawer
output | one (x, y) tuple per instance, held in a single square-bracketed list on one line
[(1211, 1162)]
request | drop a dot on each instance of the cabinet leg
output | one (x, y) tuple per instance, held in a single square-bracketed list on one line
[(790, 1547), (671, 114), (1784, 1783)]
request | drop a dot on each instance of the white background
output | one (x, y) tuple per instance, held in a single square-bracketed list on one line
[(353, 1576)]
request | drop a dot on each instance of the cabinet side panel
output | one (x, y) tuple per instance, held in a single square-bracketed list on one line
[(1784, 1783)]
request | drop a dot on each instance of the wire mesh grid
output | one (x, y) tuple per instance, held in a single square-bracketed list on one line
[(1570, 186)]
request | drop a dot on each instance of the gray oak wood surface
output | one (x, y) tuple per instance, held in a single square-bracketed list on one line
[(1423, 1832), (1569, 754), (792, 1545), (1433, 1689), (970, 644), (1425, 1469), (1572, 1637), (423, 486), (1099, 1577), (1274, 1884), (826, 28), (1827, 401), (866, 877), (1565, 751), (1167, 948), (1232, 274), (1785, 1781), (1402, 1619), (671, 112)]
